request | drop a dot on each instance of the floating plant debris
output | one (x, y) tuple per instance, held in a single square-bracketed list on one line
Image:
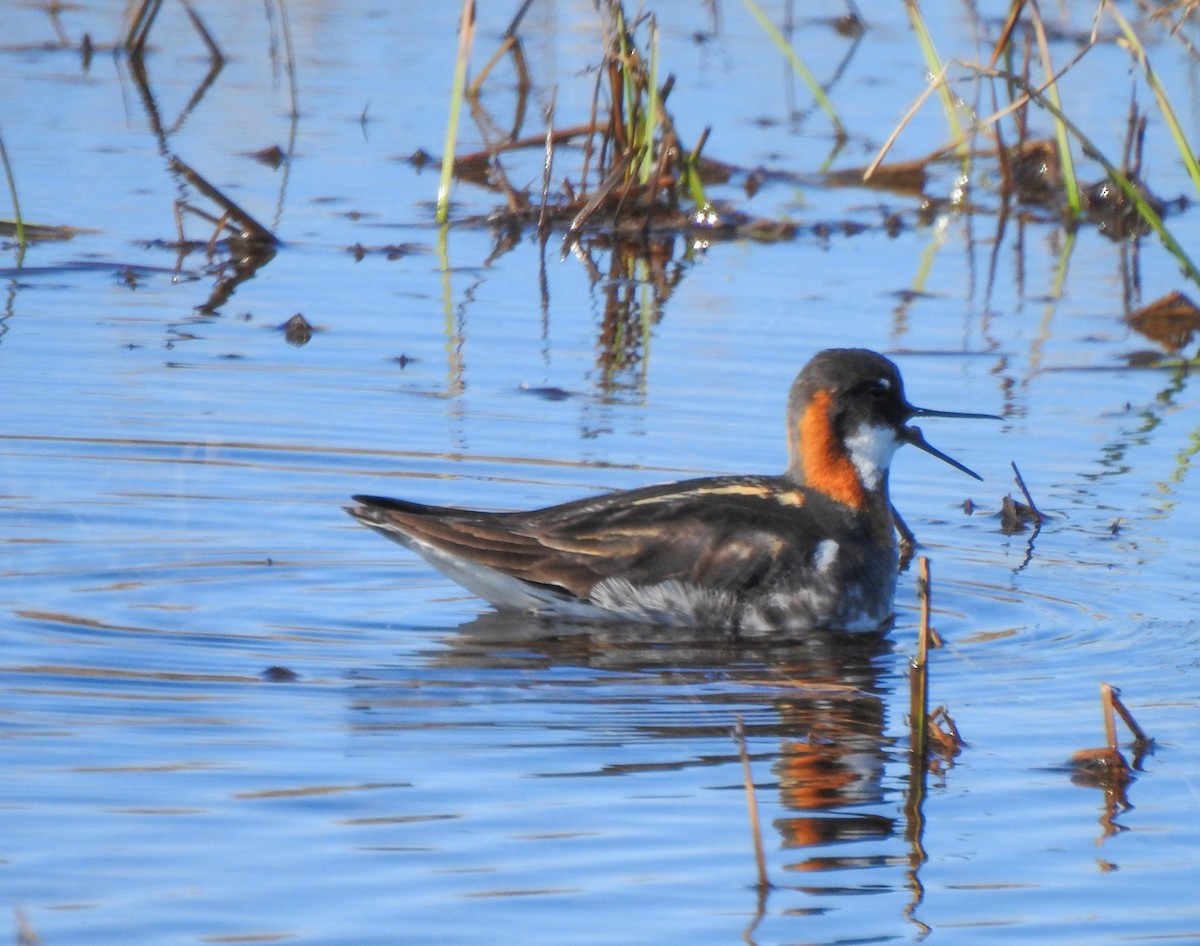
[(1172, 321), (297, 330)]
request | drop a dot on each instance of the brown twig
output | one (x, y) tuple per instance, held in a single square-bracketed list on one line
[(139, 29), (1014, 14), (250, 227), (547, 168), (214, 51), (1112, 698), (934, 83), (1110, 725), (615, 177), (760, 859), (929, 639)]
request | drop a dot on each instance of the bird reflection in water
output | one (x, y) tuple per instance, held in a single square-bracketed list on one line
[(819, 695)]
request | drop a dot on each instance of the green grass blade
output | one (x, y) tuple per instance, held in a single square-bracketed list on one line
[(1160, 94), (466, 35), (935, 66), (1065, 160), (653, 107), (1118, 177), (691, 170), (797, 64)]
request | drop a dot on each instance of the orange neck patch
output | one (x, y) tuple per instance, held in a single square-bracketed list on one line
[(826, 466)]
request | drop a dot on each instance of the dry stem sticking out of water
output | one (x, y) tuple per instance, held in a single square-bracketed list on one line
[(760, 860), (1106, 768)]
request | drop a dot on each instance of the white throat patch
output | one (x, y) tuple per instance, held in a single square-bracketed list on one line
[(871, 450)]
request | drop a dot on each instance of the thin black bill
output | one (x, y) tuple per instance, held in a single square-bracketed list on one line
[(917, 439)]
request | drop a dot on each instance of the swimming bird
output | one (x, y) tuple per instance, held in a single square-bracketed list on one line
[(813, 547)]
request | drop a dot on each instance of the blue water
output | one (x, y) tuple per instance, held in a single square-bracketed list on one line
[(230, 714)]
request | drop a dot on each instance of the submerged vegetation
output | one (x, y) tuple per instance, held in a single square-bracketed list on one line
[(625, 180), (633, 176), (637, 175)]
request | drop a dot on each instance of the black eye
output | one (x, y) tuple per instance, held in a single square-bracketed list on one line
[(878, 390)]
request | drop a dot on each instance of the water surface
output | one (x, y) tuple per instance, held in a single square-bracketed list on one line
[(230, 714)]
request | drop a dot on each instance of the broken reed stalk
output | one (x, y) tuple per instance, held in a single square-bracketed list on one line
[(560, 136), (1107, 767), (928, 636), (1110, 723), (615, 177), (18, 221), (1038, 518), (250, 228), (466, 37), (918, 712), (1112, 701), (760, 858), (918, 725)]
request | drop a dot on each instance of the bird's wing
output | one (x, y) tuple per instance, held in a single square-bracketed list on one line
[(723, 532)]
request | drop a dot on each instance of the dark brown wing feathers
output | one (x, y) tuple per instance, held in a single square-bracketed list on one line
[(724, 532)]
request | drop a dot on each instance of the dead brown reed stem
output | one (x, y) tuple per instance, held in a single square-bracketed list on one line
[(26, 935), (920, 100), (1110, 723), (139, 28), (251, 228), (1112, 701), (547, 171), (924, 593), (918, 708), (214, 51), (1014, 15), (760, 858), (510, 43), (1038, 518)]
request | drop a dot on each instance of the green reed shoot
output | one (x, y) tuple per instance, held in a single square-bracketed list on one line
[(935, 67), (629, 90), (466, 36), (650, 139), (652, 116), (1160, 95), (1066, 162), (691, 174), (1115, 174), (798, 66), (639, 94)]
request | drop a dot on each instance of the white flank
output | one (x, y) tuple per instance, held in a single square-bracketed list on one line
[(871, 450), (501, 590)]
